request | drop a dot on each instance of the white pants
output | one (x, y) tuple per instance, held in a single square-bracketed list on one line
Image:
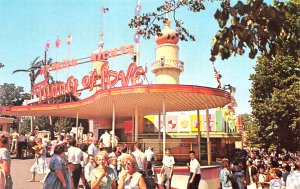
[(229, 187), (251, 186)]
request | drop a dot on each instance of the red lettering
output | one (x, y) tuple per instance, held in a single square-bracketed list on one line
[(103, 71), (73, 62), (93, 57), (72, 86), (136, 76), (111, 78), (130, 49), (85, 81), (123, 50), (114, 52), (104, 55)]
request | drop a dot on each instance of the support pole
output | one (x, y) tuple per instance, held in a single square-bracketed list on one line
[(159, 135), (164, 129), (76, 126), (133, 130), (208, 140), (199, 136), (113, 125), (136, 125)]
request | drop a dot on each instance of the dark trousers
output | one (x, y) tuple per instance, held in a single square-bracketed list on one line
[(195, 183), (75, 172), (21, 145)]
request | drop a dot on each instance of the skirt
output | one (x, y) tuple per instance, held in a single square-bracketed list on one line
[(40, 166)]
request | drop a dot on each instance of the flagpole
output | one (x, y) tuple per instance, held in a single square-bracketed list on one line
[(138, 41)]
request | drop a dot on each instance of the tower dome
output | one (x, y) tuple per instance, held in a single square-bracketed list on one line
[(167, 66), (168, 35)]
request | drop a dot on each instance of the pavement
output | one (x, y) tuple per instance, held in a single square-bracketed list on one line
[(20, 173)]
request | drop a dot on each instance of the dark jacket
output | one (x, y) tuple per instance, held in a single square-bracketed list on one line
[(253, 175)]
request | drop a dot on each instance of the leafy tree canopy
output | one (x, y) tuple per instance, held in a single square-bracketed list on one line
[(11, 95), (275, 102), (254, 25)]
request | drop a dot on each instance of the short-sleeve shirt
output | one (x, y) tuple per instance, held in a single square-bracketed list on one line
[(57, 163), (168, 161), (4, 155), (74, 155), (141, 159), (93, 149), (194, 164), (293, 180), (106, 139), (106, 181)]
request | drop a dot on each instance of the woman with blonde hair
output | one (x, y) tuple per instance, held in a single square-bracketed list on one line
[(102, 177), (5, 162), (40, 165), (129, 178)]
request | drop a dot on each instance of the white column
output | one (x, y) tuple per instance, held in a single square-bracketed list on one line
[(113, 124), (164, 130), (199, 135), (136, 124), (76, 126), (208, 140)]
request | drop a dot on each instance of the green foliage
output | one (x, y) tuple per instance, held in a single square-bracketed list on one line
[(33, 73), (43, 122), (11, 95), (269, 29), (255, 25), (275, 101)]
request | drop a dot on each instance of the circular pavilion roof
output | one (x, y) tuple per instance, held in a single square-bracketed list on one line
[(147, 98)]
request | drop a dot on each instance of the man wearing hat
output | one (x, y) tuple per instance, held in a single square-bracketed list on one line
[(226, 175)]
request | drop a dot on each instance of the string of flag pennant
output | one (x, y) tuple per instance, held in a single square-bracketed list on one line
[(58, 42)]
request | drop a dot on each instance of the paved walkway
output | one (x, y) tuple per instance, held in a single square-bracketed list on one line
[(20, 173)]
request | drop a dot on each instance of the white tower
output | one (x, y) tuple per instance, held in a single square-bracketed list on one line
[(167, 66)]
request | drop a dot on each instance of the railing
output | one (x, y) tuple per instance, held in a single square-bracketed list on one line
[(180, 150), (168, 64)]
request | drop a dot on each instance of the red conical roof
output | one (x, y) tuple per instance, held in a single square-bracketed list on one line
[(168, 35)]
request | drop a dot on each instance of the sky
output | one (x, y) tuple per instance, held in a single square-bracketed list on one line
[(26, 26)]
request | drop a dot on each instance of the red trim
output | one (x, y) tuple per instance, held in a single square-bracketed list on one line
[(167, 89)]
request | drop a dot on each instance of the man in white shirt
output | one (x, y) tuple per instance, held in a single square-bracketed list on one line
[(293, 180), (75, 156), (167, 169), (140, 158), (151, 156), (106, 140), (93, 149), (195, 173), (89, 167)]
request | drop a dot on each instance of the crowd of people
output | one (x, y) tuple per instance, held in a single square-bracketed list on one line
[(99, 165), (260, 169)]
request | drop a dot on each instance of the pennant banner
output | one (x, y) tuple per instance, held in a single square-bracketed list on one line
[(69, 39), (57, 43), (47, 46)]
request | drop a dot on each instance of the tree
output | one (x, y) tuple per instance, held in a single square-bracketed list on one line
[(11, 95), (275, 102), (255, 25), (33, 73)]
